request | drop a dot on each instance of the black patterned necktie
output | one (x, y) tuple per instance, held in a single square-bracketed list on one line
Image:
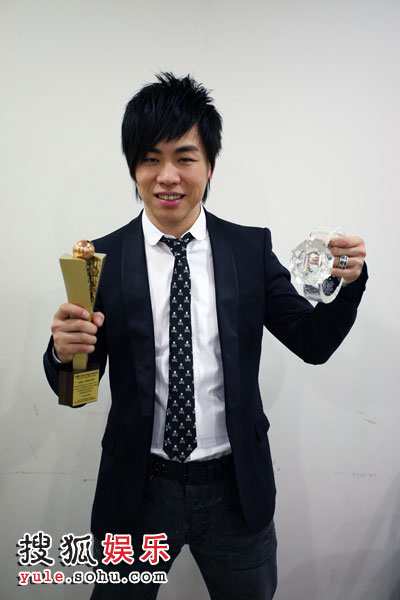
[(180, 422)]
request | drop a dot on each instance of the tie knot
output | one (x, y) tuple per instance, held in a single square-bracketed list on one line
[(178, 245)]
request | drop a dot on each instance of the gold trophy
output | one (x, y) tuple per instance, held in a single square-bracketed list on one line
[(81, 274)]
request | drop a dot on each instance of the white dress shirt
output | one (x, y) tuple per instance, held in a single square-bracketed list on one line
[(212, 436)]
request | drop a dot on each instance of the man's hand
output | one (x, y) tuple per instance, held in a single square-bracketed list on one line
[(73, 333), (354, 248)]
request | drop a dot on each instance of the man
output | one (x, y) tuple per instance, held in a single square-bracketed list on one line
[(180, 315)]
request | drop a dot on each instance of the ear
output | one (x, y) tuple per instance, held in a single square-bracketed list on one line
[(209, 174)]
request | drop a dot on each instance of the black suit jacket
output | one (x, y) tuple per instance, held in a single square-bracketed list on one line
[(253, 290)]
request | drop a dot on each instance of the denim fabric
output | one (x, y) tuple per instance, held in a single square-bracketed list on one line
[(236, 563)]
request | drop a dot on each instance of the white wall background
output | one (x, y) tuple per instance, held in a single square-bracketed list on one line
[(309, 92)]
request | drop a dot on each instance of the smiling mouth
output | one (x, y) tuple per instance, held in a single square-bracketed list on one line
[(170, 196)]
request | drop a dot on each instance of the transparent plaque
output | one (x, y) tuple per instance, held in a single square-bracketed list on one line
[(311, 264)]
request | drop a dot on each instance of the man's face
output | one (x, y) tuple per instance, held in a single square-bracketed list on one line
[(172, 180)]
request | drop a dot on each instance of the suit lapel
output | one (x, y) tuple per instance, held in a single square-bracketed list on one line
[(226, 290), (136, 293)]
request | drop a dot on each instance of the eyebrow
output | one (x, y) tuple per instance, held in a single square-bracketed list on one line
[(180, 150)]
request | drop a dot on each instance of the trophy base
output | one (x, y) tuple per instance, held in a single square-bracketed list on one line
[(77, 388)]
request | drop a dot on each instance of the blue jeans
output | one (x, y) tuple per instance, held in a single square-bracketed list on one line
[(236, 563)]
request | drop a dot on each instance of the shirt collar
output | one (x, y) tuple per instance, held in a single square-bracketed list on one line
[(152, 234)]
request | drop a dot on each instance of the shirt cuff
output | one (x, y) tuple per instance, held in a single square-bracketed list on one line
[(55, 357)]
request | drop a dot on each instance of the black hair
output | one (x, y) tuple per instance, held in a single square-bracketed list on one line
[(165, 111)]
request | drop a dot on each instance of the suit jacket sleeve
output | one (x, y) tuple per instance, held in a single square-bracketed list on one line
[(313, 333)]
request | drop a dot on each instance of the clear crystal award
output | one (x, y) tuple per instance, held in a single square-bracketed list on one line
[(311, 264)]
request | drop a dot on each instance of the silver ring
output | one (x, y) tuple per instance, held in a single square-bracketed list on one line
[(343, 261)]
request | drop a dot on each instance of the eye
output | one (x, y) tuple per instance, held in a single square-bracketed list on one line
[(186, 159), (150, 160)]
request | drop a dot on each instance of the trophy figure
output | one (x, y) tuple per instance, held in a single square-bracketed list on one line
[(81, 273), (311, 265)]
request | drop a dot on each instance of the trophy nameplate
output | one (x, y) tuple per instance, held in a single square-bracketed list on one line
[(79, 381), (311, 265)]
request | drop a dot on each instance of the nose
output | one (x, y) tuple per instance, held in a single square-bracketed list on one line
[(168, 174)]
